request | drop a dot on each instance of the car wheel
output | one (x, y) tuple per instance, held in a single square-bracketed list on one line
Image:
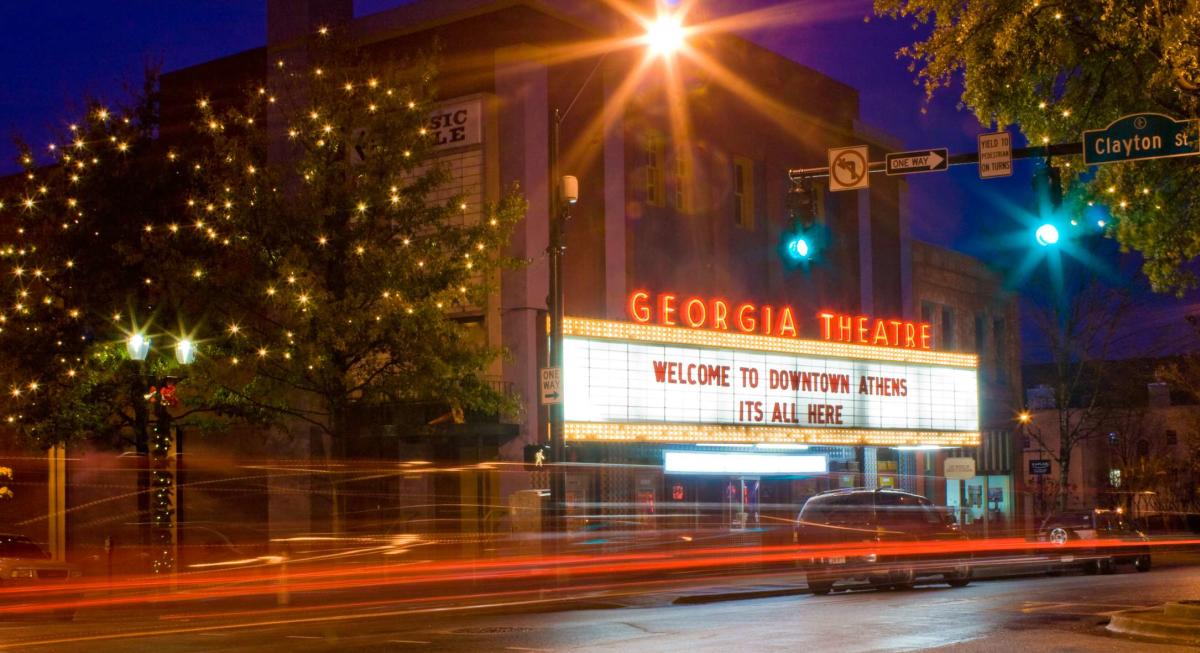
[(1142, 563), (960, 577), (1106, 566), (820, 587), (904, 580), (1060, 535)]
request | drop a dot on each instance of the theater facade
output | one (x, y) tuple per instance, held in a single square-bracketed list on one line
[(733, 410)]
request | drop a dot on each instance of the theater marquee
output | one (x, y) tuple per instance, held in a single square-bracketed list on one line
[(636, 381)]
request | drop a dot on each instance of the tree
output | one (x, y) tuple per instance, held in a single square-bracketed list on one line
[(316, 283), (73, 231), (1055, 68), (342, 267), (1081, 334), (1139, 451)]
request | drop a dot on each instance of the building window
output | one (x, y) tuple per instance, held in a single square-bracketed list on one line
[(1172, 437), (743, 192), (949, 329), (683, 181), (1114, 477), (927, 311), (980, 333), (1000, 338), (654, 174)]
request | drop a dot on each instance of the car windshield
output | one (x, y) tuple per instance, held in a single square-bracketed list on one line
[(20, 547)]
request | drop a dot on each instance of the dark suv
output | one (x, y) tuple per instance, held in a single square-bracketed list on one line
[(859, 519), (1101, 540)]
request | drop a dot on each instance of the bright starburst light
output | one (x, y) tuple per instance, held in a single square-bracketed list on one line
[(665, 35)]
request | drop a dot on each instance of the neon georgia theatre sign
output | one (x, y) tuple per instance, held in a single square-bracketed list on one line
[(704, 370)]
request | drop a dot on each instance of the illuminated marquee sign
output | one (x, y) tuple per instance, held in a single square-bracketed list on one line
[(669, 309), (637, 381)]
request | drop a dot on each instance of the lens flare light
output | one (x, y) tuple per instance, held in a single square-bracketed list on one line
[(1046, 235), (665, 35)]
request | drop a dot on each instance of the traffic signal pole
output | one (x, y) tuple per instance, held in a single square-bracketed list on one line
[(966, 158)]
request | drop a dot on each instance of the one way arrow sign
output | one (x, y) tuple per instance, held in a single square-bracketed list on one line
[(911, 163)]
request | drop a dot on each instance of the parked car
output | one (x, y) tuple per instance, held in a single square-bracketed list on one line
[(24, 563), (857, 517), (1115, 541)]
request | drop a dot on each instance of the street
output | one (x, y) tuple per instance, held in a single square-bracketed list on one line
[(1032, 613)]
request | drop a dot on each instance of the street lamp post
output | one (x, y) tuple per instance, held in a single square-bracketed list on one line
[(662, 37), (163, 448), (1020, 469)]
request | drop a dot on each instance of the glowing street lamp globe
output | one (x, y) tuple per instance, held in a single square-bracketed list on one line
[(138, 346), (185, 351), (1046, 235), (665, 35)]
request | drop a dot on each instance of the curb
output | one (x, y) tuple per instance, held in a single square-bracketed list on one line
[(1155, 623), (701, 599)]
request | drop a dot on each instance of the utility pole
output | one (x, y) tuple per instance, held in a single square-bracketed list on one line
[(556, 249)]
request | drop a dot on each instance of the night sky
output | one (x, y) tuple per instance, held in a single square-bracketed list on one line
[(56, 54)]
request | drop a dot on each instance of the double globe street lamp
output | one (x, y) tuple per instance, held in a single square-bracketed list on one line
[(158, 476)]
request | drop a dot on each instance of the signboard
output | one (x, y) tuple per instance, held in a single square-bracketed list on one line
[(457, 123), (1039, 467), (827, 396), (551, 385), (1141, 136), (849, 168), (737, 462), (911, 163), (959, 469), (995, 155), (721, 315)]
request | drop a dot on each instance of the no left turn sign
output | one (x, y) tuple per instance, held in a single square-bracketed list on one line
[(849, 168)]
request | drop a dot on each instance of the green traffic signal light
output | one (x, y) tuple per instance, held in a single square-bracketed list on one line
[(1046, 235)]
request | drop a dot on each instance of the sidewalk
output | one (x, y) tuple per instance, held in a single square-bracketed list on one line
[(1176, 622)]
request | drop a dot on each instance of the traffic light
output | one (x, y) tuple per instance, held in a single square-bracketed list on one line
[(537, 456), (801, 242), (1046, 235), (1047, 184), (797, 247), (801, 203)]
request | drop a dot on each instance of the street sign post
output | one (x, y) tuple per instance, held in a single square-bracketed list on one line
[(995, 155), (911, 163), (960, 469), (551, 385), (849, 168), (1141, 136), (1039, 467)]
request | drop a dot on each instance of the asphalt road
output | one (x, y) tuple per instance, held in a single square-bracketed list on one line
[(1024, 614)]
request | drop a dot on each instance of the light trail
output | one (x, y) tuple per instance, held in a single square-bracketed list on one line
[(153, 590)]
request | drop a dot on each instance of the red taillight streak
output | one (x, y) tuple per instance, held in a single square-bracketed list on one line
[(532, 568)]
